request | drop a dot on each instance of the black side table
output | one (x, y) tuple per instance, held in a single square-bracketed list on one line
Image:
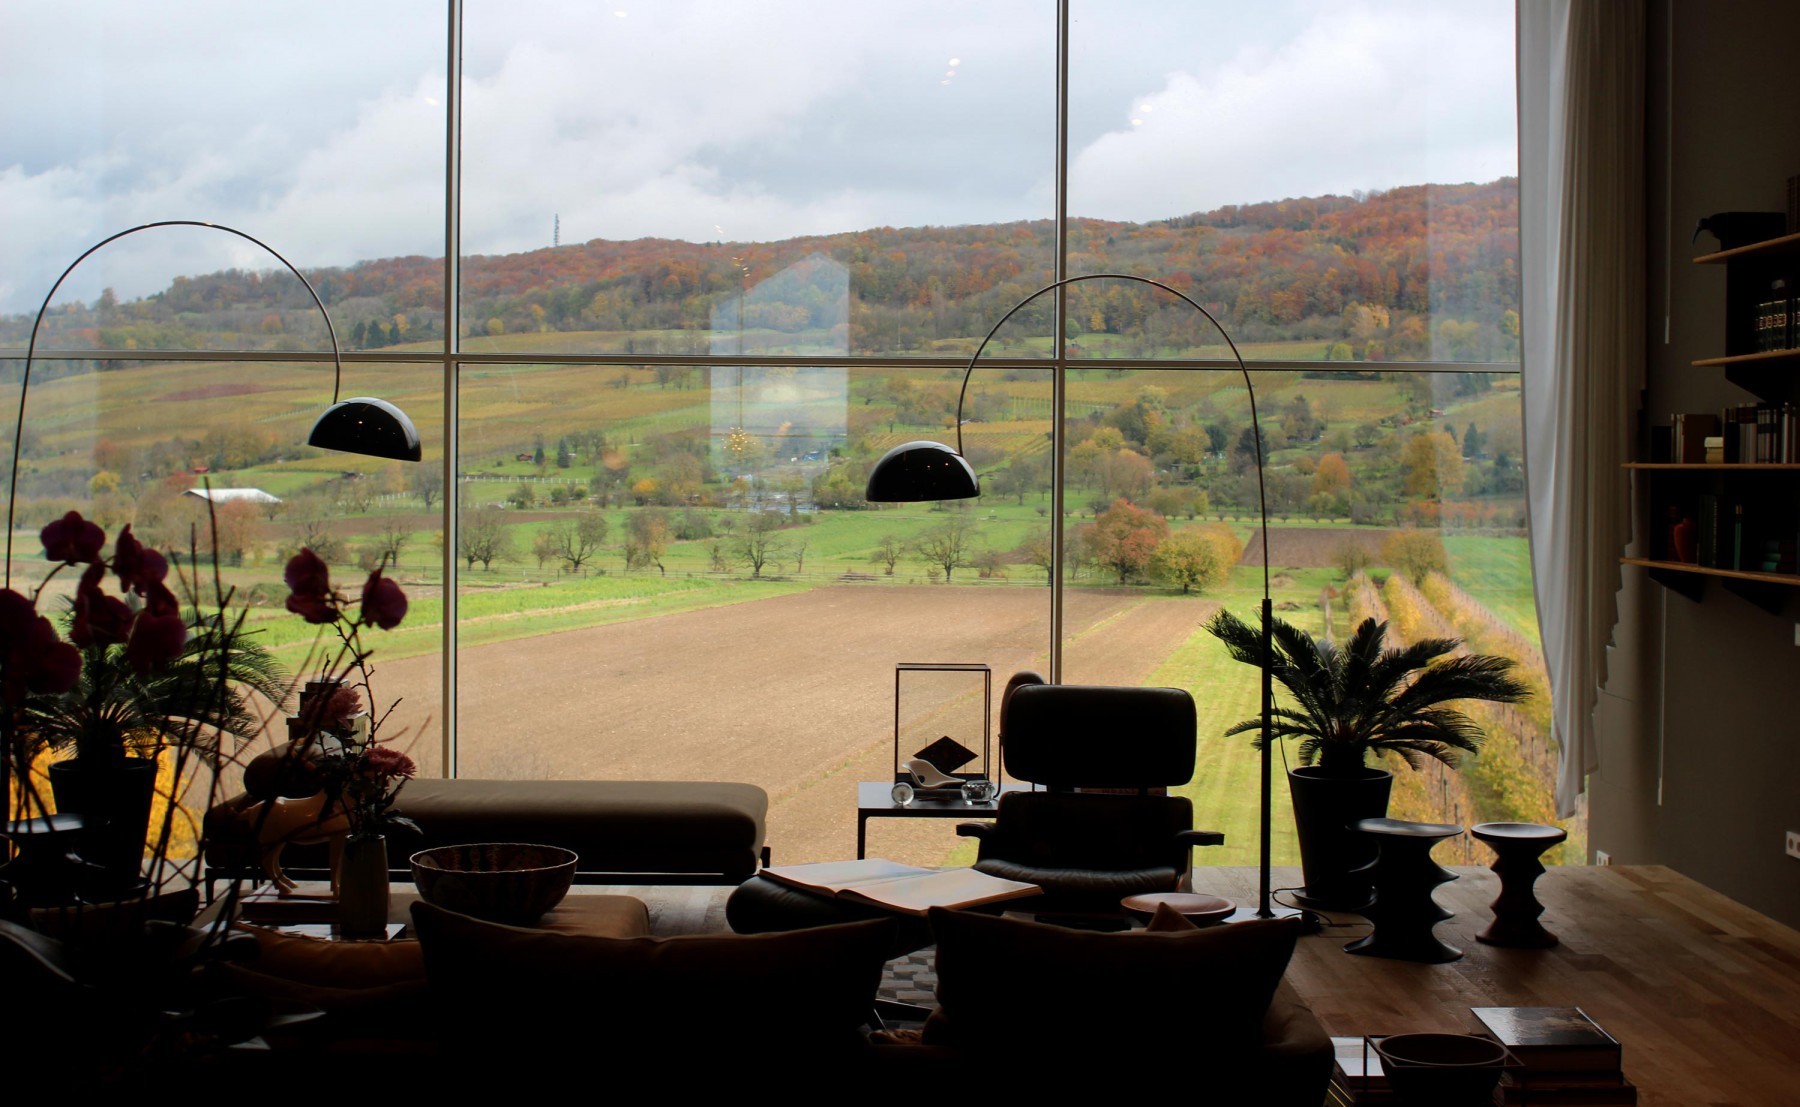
[(1404, 875), (1517, 847), (875, 800)]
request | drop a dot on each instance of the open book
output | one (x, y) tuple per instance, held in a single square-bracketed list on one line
[(896, 887)]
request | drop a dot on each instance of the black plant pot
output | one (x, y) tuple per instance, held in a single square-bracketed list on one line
[(113, 798), (1330, 852)]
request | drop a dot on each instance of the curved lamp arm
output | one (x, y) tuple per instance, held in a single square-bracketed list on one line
[(361, 425), (927, 470), (932, 460)]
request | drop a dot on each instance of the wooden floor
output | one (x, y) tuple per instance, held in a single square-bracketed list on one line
[(1702, 993)]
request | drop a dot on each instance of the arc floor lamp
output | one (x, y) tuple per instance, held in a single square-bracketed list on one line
[(361, 425), (925, 470)]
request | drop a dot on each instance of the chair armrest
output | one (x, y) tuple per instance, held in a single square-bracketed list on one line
[(1200, 837), (974, 830)]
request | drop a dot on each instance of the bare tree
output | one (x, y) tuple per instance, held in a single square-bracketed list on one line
[(427, 483), (1036, 550), (760, 543), (390, 538), (650, 533), (358, 493), (579, 539), (482, 535), (947, 546), (316, 527), (889, 552)]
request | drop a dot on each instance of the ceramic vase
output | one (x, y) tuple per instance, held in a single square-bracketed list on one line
[(363, 887)]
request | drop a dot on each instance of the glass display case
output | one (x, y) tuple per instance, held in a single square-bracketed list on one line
[(943, 715)]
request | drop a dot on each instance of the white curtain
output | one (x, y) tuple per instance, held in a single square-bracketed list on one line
[(1581, 228)]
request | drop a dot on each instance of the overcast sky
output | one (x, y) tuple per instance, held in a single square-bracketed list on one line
[(318, 126)]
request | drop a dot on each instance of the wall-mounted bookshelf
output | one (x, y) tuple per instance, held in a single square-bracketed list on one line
[(1769, 247), (1744, 513)]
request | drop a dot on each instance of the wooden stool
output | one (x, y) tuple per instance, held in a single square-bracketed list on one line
[(1404, 875), (1517, 847)]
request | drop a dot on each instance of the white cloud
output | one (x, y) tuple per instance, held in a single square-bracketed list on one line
[(320, 128), (1358, 99)]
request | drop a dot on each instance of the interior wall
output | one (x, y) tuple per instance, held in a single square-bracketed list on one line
[(1700, 756)]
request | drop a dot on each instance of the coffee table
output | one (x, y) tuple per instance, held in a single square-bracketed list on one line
[(875, 800)]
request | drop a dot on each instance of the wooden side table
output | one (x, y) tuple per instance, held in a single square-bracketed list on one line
[(1517, 847), (1404, 875)]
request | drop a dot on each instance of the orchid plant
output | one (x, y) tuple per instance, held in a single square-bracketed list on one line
[(132, 673), (361, 774)]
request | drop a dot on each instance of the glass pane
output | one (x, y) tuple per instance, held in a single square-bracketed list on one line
[(1336, 182), (680, 580), (908, 150), (316, 127), (1397, 496), (209, 457)]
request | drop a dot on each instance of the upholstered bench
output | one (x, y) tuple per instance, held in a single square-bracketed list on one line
[(624, 831)]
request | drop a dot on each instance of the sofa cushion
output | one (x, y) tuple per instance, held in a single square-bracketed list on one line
[(1008, 985), (503, 986), (705, 828)]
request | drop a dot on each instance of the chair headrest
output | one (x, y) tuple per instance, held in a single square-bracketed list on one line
[(1094, 736)]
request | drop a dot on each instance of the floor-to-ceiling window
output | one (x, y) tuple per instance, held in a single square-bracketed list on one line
[(712, 260)]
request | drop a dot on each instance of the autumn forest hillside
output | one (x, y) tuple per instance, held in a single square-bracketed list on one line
[(1424, 272)]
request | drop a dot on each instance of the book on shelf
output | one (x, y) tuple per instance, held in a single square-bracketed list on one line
[(908, 889), (1691, 431), (1548, 1040), (1760, 434), (1778, 555)]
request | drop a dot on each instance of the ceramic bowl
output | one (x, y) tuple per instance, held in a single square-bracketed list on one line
[(1445, 1070), (503, 882)]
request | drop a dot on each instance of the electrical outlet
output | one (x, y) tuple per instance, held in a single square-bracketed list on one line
[(1793, 843), (1601, 857)]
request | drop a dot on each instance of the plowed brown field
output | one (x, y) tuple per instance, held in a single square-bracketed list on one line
[(795, 693)]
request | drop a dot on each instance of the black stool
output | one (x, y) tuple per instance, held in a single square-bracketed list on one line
[(1404, 875), (1517, 847), (45, 870)]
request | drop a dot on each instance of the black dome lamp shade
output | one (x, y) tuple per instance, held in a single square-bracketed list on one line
[(366, 425), (923, 470)]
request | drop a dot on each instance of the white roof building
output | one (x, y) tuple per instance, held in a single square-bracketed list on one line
[(229, 495)]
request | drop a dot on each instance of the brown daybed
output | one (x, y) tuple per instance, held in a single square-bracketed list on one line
[(624, 831)]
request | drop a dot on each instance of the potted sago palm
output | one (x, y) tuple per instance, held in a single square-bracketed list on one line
[(1347, 704)]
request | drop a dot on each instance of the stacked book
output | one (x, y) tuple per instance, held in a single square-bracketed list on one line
[(307, 902), (1356, 1076), (1566, 1059)]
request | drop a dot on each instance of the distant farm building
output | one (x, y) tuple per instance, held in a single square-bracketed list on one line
[(232, 495)]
